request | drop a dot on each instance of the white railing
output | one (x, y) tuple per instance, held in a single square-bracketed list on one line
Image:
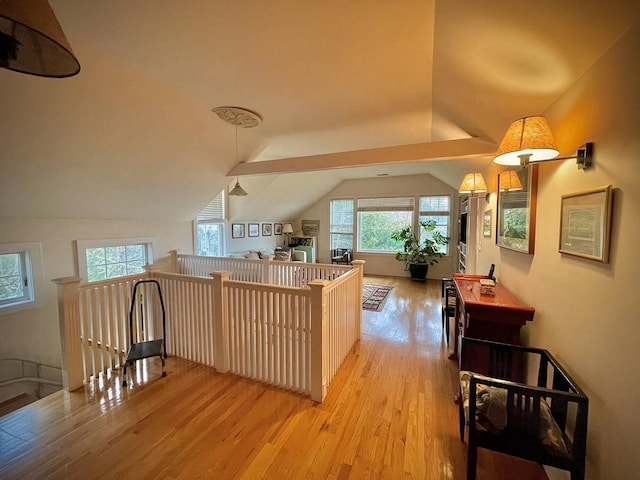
[(189, 305), (294, 337), (269, 329), (266, 270)]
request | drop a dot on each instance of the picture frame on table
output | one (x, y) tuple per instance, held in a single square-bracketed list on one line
[(267, 229), (585, 224), (254, 229), (237, 230), (277, 229)]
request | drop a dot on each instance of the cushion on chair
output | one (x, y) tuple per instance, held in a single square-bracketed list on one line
[(491, 414), (282, 256)]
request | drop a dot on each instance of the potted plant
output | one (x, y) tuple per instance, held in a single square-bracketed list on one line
[(419, 253)]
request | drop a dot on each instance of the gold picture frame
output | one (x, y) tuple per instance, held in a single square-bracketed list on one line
[(585, 224), (516, 211)]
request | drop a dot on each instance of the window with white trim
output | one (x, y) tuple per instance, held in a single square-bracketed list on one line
[(210, 228), (105, 259), (341, 223), (438, 209), (20, 276), (378, 218)]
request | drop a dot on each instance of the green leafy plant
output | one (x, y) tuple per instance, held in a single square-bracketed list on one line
[(415, 250)]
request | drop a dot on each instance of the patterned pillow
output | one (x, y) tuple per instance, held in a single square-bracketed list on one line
[(282, 256), (252, 256), (491, 414)]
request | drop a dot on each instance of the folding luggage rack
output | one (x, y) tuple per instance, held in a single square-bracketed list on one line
[(151, 348)]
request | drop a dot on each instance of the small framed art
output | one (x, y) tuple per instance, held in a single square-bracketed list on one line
[(277, 229), (486, 224), (254, 229), (266, 229), (237, 230), (585, 224)]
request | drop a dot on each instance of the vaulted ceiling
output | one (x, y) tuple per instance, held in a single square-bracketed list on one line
[(346, 89)]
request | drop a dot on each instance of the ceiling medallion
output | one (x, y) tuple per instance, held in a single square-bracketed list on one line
[(240, 117)]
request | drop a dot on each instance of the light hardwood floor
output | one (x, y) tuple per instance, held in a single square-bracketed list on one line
[(389, 414)]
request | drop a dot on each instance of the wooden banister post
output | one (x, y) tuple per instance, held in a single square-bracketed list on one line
[(266, 269), (70, 343), (173, 261), (318, 339), (359, 264), (220, 321)]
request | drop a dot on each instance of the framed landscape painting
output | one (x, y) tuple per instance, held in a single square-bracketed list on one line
[(237, 230), (254, 230), (585, 224), (516, 212)]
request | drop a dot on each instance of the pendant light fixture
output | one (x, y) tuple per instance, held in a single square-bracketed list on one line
[(240, 117), (32, 40)]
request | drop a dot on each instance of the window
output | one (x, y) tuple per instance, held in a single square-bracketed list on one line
[(210, 228), (20, 276), (341, 223), (436, 208), (105, 259), (378, 217)]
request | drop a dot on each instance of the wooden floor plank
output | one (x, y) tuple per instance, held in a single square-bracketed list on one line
[(389, 413)]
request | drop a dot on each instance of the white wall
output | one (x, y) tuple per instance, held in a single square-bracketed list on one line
[(586, 312), (378, 263), (33, 334)]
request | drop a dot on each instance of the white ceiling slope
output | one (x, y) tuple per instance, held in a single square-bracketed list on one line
[(404, 87)]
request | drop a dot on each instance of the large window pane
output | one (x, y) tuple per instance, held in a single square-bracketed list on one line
[(436, 208), (11, 277), (375, 228), (341, 223), (115, 261), (210, 237)]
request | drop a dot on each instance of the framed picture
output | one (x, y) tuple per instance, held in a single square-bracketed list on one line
[(266, 229), (486, 224), (237, 230), (277, 229), (254, 230), (585, 224), (516, 211)]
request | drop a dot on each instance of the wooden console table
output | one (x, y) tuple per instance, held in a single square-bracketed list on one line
[(496, 317)]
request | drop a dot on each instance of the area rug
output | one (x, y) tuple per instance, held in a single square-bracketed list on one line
[(374, 296)]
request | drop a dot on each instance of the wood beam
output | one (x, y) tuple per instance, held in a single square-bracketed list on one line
[(450, 149)]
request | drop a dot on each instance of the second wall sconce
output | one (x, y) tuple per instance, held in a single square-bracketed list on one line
[(529, 139), (473, 183)]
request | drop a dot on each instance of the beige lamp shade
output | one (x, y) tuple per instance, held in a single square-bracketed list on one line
[(528, 139), (238, 191), (288, 228), (472, 183), (509, 181), (32, 40)]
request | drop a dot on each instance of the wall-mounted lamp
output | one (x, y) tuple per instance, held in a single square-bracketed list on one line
[(509, 181), (529, 139), (473, 183)]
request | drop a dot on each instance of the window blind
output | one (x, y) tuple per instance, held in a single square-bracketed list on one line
[(390, 204), (214, 211)]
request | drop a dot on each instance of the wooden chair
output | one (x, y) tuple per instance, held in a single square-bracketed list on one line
[(448, 304), (341, 255), (544, 423)]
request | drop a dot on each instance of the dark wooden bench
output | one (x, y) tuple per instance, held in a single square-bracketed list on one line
[(543, 421)]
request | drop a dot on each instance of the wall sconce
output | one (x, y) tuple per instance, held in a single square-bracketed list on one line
[(473, 183), (509, 181), (529, 139)]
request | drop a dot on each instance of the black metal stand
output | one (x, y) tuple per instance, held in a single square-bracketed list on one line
[(151, 348)]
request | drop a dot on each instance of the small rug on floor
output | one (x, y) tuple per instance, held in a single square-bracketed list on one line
[(374, 296)]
